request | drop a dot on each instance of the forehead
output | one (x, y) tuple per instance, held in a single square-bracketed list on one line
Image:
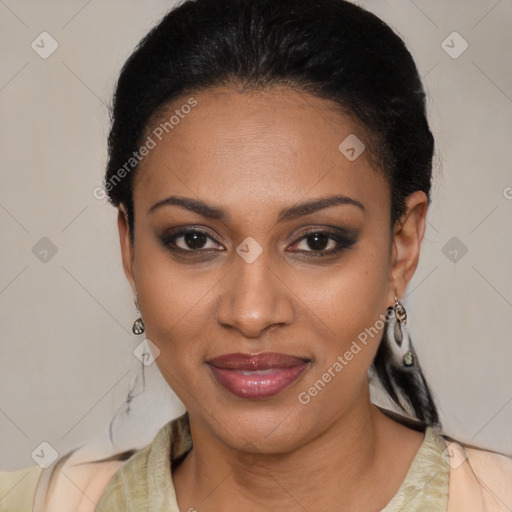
[(260, 146)]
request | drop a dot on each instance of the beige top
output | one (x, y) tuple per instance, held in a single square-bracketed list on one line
[(145, 482), (443, 476)]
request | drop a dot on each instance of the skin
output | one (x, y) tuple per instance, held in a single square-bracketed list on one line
[(252, 155)]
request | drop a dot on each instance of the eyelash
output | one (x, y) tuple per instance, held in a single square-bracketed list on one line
[(342, 241)]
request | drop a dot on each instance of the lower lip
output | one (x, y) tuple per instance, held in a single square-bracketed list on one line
[(257, 385)]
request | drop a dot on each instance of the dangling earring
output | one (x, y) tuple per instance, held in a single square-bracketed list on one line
[(138, 325), (401, 336)]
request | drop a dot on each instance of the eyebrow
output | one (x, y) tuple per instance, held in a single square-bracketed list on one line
[(287, 214)]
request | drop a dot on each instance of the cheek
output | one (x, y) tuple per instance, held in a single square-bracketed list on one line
[(170, 307), (349, 297), (354, 311), (349, 307), (172, 296)]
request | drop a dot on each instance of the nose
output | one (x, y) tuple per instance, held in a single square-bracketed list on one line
[(255, 298)]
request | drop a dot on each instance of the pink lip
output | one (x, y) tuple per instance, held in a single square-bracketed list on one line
[(238, 373)]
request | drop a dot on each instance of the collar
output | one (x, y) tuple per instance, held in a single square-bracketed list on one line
[(144, 482)]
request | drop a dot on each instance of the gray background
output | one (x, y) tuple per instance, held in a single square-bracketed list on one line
[(67, 363)]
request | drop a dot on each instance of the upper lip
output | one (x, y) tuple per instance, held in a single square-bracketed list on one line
[(262, 361)]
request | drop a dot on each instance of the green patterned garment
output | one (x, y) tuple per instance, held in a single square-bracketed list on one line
[(144, 482)]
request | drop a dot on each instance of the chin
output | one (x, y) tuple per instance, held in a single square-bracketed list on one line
[(264, 427)]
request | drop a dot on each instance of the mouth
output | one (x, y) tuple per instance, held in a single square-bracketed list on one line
[(255, 376)]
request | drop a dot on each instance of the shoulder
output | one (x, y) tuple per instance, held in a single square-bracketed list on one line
[(18, 488), (76, 487), (68, 485), (480, 479), (81, 479)]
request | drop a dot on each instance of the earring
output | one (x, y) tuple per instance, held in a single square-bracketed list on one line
[(138, 325), (401, 336)]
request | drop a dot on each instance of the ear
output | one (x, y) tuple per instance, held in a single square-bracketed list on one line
[(127, 249), (407, 238)]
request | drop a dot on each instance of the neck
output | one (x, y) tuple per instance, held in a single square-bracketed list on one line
[(337, 467)]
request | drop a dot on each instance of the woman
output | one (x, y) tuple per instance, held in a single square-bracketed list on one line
[(271, 162)]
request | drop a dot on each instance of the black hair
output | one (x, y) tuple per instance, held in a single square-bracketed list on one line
[(332, 49)]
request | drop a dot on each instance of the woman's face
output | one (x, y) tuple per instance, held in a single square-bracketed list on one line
[(249, 281)]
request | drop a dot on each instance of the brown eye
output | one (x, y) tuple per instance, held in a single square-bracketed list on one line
[(193, 240), (323, 243), (189, 240), (318, 241)]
